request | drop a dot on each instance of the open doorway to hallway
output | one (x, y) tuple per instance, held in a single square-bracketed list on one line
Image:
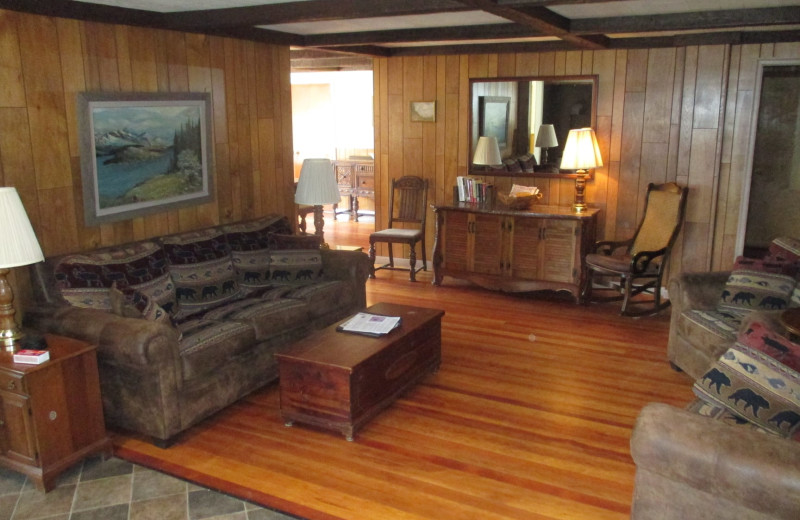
[(332, 118)]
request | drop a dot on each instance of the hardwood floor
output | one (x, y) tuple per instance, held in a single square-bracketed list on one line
[(529, 417)]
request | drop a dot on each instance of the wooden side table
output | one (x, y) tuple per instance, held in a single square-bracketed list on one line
[(790, 318), (51, 415)]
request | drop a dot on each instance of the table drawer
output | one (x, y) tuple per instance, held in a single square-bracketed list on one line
[(12, 382)]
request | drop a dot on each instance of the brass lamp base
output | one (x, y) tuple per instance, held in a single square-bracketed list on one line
[(580, 192)]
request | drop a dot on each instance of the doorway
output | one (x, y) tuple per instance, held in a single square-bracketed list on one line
[(332, 117), (771, 194)]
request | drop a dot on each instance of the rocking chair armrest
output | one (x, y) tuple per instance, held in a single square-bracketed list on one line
[(607, 247), (641, 260)]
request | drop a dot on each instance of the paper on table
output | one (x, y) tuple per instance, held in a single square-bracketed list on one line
[(373, 324)]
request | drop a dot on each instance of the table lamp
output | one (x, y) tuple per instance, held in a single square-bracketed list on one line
[(20, 247), (317, 186), (546, 139), (581, 153), (487, 153)]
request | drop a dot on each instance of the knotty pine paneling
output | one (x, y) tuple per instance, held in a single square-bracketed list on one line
[(47, 61), (678, 114)]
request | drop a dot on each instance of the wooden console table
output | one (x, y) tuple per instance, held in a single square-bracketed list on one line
[(356, 178), (502, 249)]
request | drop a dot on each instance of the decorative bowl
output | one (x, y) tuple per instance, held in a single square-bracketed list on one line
[(518, 202)]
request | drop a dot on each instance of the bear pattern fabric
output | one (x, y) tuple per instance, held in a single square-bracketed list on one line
[(202, 270), (748, 290), (755, 387)]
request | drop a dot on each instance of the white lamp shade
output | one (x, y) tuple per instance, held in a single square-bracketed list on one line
[(546, 138), (317, 184), (581, 152), (19, 244), (487, 152)]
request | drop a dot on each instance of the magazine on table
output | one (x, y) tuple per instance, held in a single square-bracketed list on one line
[(369, 324)]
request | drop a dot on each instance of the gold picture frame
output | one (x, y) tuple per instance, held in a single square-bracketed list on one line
[(424, 111)]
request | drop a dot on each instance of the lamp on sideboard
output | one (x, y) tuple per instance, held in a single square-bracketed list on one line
[(581, 153), (19, 247), (546, 139), (317, 186), (487, 153)]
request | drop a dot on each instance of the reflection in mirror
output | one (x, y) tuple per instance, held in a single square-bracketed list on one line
[(514, 110)]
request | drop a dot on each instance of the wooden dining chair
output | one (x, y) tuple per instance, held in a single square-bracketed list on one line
[(408, 205)]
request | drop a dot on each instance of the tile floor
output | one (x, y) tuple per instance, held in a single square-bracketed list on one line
[(118, 490)]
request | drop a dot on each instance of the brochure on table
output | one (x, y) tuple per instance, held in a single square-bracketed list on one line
[(370, 324)]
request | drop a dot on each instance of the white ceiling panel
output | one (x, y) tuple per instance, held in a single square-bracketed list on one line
[(173, 6), (418, 21)]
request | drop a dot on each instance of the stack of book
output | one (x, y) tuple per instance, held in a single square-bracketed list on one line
[(474, 190)]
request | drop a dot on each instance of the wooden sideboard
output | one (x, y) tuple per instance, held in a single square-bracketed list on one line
[(356, 178), (507, 250)]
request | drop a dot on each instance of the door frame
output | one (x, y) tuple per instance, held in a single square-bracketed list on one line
[(744, 203)]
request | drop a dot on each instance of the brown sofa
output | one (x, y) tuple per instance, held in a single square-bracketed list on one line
[(690, 467), (187, 324), (707, 461)]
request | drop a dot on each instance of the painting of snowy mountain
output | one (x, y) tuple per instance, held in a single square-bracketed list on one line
[(145, 153)]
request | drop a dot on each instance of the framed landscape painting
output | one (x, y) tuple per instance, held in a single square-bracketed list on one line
[(493, 118), (143, 153)]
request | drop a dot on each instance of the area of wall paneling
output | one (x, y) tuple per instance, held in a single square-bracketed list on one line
[(47, 61), (675, 114)]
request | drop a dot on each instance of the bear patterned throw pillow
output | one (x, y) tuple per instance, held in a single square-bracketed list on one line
[(756, 387), (749, 289), (295, 259)]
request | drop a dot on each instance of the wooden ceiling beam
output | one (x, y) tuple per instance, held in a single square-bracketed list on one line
[(464, 32), (689, 21), (540, 18)]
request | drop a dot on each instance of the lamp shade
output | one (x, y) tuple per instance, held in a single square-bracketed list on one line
[(546, 138), (487, 152), (581, 152), (20, 246), (317, 183)]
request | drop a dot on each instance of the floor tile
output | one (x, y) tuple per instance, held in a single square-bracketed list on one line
[(173, 507), (208, 503), (148, 484), (103, 492), (117, 512), (34, 504)]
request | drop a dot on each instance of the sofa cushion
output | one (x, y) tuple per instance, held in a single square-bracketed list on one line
[(761, 336), (249, 243), (85, 279), (754, 386), (268, 318), (295, 259), (201, 268), (207, 345), (747, 290)]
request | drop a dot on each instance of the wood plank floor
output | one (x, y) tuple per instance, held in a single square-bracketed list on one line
[(529, 417)]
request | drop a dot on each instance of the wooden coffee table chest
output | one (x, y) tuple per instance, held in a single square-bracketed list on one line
[(339, 381)]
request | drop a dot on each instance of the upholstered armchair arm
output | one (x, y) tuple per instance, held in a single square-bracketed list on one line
[(120, 340), (607, 247), (699, 291), (350, 266), (690, 466)]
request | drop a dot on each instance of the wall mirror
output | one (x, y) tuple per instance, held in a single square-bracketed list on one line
[(513, 111)]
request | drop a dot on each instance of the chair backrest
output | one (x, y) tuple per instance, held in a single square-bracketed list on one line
[(664, 209), (409, 201)]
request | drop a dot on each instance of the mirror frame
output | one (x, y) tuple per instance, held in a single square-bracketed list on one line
[(516, 79)]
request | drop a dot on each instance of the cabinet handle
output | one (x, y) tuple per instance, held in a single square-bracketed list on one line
[(52, 415), (12, 385)]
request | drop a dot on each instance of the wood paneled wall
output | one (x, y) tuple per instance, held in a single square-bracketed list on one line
[(47, 61), (675, 114)]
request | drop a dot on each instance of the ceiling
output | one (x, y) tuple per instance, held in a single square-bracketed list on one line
[(346, 34)]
